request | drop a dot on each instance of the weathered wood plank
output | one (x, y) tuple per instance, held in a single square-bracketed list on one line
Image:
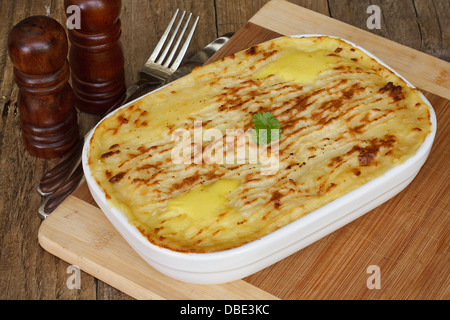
[(422, 25)]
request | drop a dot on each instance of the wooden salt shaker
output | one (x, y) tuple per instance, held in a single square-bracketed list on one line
[(96, 56), (38, 50)]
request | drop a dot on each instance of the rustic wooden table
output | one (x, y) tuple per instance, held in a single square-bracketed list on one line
[(29, 272)]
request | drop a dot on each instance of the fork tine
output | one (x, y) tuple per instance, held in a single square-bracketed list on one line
[(169, 44), (183, 50), (177, 44), (154, 68), (163, 39)]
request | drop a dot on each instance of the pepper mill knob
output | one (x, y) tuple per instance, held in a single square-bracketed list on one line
[(38, 50), (96, 56)]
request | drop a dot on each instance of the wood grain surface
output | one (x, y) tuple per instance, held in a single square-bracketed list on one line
[(29, 272)]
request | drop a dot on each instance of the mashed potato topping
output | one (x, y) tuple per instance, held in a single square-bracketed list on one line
[(345, 120)]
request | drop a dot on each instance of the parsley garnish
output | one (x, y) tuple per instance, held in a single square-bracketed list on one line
[(267, 128)]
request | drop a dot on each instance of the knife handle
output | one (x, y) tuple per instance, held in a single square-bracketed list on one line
[(53, 178), (54, 200)]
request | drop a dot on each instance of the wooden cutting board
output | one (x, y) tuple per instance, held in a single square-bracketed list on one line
[(406, 238)]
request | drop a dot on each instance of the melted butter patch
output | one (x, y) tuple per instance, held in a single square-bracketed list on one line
[(203, 202), (297, 66)]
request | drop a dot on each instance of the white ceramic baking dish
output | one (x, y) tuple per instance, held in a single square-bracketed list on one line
[(234, 264)]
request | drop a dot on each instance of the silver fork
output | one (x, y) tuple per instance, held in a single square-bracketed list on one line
[(67, 175)]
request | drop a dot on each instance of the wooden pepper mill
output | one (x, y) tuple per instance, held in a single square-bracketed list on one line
[(38, 50), (96, 56)]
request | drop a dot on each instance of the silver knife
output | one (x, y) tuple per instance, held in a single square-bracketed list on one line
[(58, 183)]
